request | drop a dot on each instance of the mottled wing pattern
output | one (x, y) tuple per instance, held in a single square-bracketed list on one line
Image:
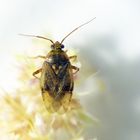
[(56, 88), (66, 85), (50, 104), (47, 82)]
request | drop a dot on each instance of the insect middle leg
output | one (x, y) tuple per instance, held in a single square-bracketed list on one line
[(74, 57), (36, 72), (75, 68), (39, 56)]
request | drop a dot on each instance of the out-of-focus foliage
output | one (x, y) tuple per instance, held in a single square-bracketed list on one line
[(23, 115)]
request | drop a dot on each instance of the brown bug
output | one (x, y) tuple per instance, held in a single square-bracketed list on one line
[(57, 72)]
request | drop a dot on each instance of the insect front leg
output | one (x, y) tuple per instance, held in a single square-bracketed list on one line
[(75, 68), (36, 72), (39, 56)]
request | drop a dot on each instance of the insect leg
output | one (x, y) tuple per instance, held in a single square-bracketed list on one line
[(74, 57), (36, 72), (39, 56), (75, 68)]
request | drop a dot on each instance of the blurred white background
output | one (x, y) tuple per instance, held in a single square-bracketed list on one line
[(110, 44)]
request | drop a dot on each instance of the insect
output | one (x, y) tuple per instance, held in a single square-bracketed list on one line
[(56, 80)]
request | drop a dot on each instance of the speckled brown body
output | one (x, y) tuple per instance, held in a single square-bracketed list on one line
[(56, 78)]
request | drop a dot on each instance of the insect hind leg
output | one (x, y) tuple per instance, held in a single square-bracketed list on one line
[(36, 72), (75, 68)]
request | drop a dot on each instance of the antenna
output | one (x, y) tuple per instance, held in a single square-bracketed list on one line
[(77, 29), (38, 37)]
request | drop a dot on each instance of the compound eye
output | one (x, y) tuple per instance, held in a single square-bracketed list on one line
[(62, 46)]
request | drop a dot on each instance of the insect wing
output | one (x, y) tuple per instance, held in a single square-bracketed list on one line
[(56, 88), (50, 104), (66, 85), (47, 83)]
